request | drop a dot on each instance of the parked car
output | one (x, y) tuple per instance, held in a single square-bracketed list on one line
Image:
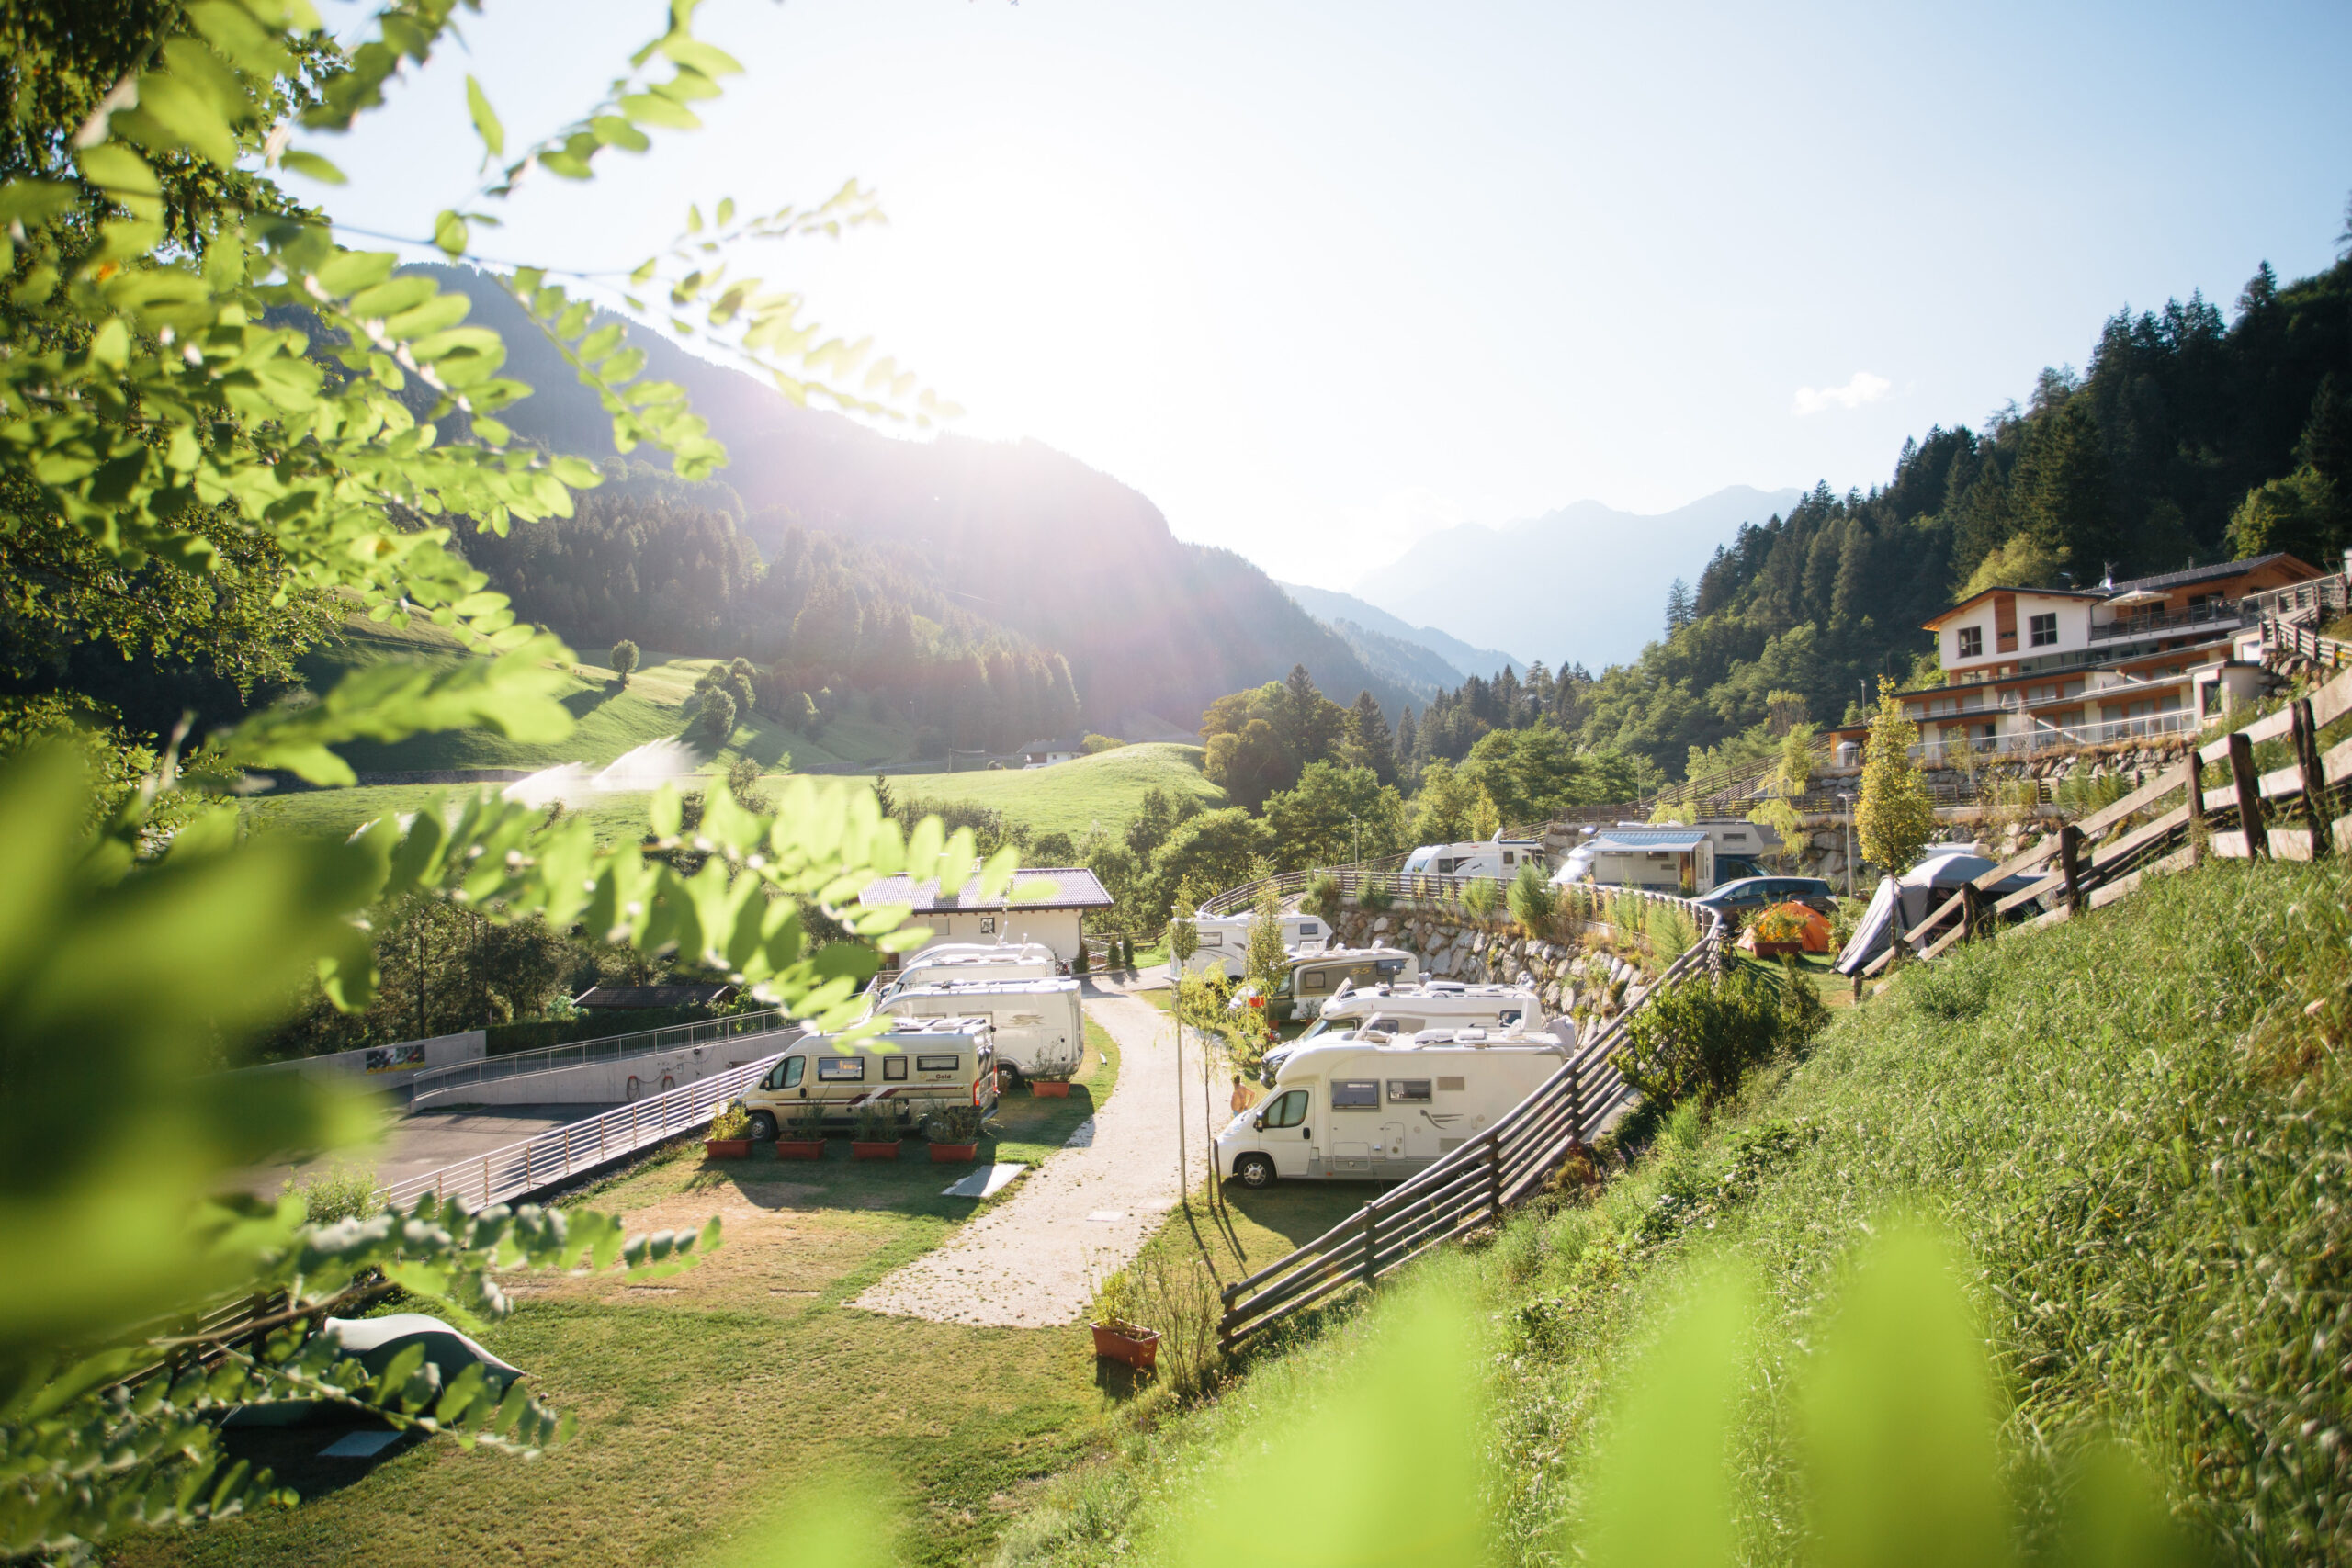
[(1751, 893)]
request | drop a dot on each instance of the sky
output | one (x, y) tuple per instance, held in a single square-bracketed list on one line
[(1318, 279)]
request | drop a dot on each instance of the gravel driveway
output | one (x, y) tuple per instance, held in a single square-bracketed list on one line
[(1033, 1261)]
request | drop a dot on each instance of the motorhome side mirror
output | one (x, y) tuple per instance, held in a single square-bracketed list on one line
[(1259, 1123)]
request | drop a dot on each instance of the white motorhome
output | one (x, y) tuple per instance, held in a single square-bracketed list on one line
[(1497, 858), (1396, 1012), (1037, 1028), (920, 1066), (1221, 942), (948, 961), (1355, 1109), (1315, 976), (1656, 855)]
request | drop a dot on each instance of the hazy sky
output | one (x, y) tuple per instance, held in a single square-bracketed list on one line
[(1318, 279)]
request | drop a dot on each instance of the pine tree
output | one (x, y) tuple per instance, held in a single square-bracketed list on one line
[(1677, 607), (1893, 821), (1368, 727), (1408, 742)]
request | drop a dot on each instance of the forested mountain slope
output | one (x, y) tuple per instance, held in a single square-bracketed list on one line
[(2188, 439), (1024, 537)]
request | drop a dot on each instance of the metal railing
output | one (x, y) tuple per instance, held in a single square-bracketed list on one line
[(1948, 753), (2321, 596), (1472, 1184), (580, 1052), (2124, 627), (523, 1168)]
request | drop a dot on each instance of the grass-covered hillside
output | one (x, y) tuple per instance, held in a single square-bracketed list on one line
[(2135, 1129), (1069, 797)]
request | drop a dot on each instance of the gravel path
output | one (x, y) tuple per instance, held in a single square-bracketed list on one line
[(1032, 1262)]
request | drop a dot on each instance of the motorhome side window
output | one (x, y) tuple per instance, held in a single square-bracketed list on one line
[(1355, 1094), (893, 1068), (841, 1069), (1286, 1110), (1409, 1091), (936, 1064), (1314, 983), (1212, 939), (784, 1073)]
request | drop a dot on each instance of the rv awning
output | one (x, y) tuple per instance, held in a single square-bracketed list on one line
[(1628, 841)]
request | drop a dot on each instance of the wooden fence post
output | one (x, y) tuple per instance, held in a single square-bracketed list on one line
[(1371, 1242), (1971, 910), (2070, 844), (2193, 786), (2249, 788), (2319, 808)]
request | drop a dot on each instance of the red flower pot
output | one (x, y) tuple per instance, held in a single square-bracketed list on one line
[(951, 1153), (1775, 949), (874, 1151), (797, 1148), (1044, 1089), (726, 1148), (1138, 1347)]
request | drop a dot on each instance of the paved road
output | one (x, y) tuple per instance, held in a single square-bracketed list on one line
[(414, 1146), (1033, 1261)]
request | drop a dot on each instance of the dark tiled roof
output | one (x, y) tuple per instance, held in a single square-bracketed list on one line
[(1074, 887), (652, 996), (2214, 573)]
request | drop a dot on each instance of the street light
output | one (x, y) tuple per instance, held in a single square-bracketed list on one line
[(1847, 795)]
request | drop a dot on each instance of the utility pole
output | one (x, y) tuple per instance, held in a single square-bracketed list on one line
[(1176, 1015)]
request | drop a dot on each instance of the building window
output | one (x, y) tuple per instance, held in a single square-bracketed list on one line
[(2208, 699), (1971, 642), (2043, 629), (988, 925)]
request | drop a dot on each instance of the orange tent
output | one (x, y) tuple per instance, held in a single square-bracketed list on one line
[(1817, 929)]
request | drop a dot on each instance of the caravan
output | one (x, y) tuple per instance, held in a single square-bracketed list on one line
[(947, 961), (1402, 1012), (1036, 1026), (916, 1068), (1314, 978), (1355, 1109), (1668, 857), (1221, 942), (1498, 858)]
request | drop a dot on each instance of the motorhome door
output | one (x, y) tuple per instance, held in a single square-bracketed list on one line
[(1287, 1131)]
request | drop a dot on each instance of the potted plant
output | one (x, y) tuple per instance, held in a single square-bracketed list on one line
[(953, 1131), (1118, 1337), (730, 1132), (802, 1137), (876, 1134), (1780, 929), (1053, 1089)]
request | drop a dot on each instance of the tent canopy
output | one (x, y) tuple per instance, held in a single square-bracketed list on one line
[(1911, 896)]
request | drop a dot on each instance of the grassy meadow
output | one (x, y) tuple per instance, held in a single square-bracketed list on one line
[(1072, 797), (2134, 1129)]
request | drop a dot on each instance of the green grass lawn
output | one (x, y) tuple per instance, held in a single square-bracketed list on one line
[(1069, 797), (704, 1397)]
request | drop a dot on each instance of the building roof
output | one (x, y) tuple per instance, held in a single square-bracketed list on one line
[(1648, 839), (652, 996), (2214, 573), (1065, 744), (1073, 887), (1934, 621)]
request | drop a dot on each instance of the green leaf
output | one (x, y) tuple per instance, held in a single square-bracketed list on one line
[(494, 135), (34, 201), (310, 163), (449, 232), (650, 108)]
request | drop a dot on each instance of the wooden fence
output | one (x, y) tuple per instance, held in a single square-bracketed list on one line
[(1472, 1184), (2167, 824)]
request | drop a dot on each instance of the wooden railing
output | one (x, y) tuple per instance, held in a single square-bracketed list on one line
[(1472, 1184), (2185, 820)]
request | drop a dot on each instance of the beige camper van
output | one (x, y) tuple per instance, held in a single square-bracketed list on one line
[(922, 1066)]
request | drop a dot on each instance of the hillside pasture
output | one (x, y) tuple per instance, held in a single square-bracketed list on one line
[(1069, 797)]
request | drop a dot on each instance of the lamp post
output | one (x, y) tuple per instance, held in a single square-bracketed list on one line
[(1357, 828), (1847, 797)]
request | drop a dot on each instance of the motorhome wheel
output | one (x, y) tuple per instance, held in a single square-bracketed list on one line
[(1008, 1077), (1254, 1171), (763, 1127)]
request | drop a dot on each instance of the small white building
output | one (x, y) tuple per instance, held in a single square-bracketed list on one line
[(964, 916), (1046, 753)]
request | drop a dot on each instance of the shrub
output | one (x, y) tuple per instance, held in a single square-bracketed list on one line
[(731, 1121), (339, 1192), (1078, 965), (1669, 933), (1322, 897), (879, 1124), (2079, 794), (953, 1125), (1700, 1040), (1628, 913), (1533, 903), (1376, 892), (806, 1124), (624, 659), (1481, 897), (1782, 922)]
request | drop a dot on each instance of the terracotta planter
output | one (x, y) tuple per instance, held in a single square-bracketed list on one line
[(874, 1151), (1047, 1091), (726, 1148), (952, 1153), (1138, 1347), (798, 1148), (1775, 949)]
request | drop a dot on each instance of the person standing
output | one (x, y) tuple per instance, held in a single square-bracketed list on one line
[(1241, 1095)]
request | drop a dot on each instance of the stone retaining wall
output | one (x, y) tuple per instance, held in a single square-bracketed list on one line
[(1572, 979)]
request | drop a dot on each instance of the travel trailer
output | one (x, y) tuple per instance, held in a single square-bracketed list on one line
[(1354, 1108), (1317, 976), (1658, 855), (1497, 858), (1035, 1024), (949, 960), (1223, 941), (920, 1066), (1401, 1011)]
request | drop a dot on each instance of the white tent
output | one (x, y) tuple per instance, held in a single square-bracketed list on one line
[(1915, 894)]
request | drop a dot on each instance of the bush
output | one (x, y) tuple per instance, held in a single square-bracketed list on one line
[(339, 1192), (1376, 894), (1481, 897), (1078, 965), (879, 1124), (1669, 933), (624, 659), (1322, 897), (1628, 913), (1782, 922), (732, 1121), (953, 1125), (1698, 1040), (2079, 794), (1532, 902)]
